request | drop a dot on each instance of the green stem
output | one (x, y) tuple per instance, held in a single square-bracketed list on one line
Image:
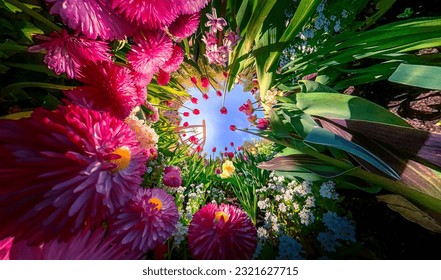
[(10, 88), (34, 14)]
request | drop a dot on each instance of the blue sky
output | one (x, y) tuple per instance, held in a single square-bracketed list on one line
[(219, 134)]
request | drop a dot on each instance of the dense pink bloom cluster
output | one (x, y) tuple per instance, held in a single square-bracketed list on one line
[(172, 177), (221, 232), (217, 51)]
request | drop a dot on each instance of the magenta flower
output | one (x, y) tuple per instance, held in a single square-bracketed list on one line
[(196, 111), (219, 93), (220, 233), (172, 179), (194, 6), (247, 108), (85, 245), (185, 25), (223, 110), (231, 39), (232, 144), (217, 171), (151, 50), (172, 168), (66, 53), (74, 167), (148, 220), (175, 60), (186, 114), (209, 39), (185, 124), (230, 155), (213, 150), (108, 88), (153, 114), (205, 96), (233, 127), (153, 14), (205, 82), (262, 124), (163, 78), (194, 100), (93, 18), (194, 80), (5, 248), (214, 23)]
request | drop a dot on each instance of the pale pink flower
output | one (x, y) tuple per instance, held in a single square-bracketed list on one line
[(214, 23)]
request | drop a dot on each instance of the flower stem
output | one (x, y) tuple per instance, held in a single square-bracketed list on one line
[(10, 88), (34, 14)]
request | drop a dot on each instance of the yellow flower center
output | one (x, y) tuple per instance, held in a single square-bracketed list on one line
[(221, 214), (124, 161), (156, 201)]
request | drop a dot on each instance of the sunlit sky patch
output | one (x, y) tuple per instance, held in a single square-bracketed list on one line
[(218, 130)]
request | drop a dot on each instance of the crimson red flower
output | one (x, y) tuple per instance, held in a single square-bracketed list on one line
[(184, 135), (219, 93), (221, 232), (205, 96), (194, 80), (185, 124), (193, 139), (230, 155), (163, 78), (172, 179), (175, 60), (194, 100), (262, 123), (213, 150), (217, 170), (239, 148), (232, 144), (205, 82), (186, 114), (196, 111), (226, 149), (225, 74), (199, 149), (233, 127), (223, 110)]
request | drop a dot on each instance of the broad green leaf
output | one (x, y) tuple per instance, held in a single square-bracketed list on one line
[(308, 86), (341, 106), (417, 75), (28, 30), (410, 211), (321, 136)]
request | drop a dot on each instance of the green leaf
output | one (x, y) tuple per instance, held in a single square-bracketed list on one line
[(417, 75), (308, 86), (410, 211), (28, 30), (323, 137), (341, 106)]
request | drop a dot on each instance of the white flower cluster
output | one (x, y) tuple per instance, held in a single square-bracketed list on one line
[(327, 190), (179, 234), (145, 134), (217, 195), (289, 248)]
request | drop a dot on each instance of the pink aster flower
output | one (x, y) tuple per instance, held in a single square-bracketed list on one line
[(175, 60), (64, 169), (171, 168), (184, 25), (108, 88), (233, 127), (153, 14), (148, 220), (223, 110), (221, 232), (262, 123), (194, 6), (214, 23), (194, 100), (172, 179), (205, 82), (66, 53), (86, 245), (151, 50), (93, 18)]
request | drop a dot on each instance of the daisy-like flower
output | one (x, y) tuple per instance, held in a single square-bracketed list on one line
[(221, 232), (93, 18), (175, 60), (153, 14), (194, 6), (214, 23), (64, 169), (108, 88), (184, 25), (66, 53), (86, 245), (148, 220), (151, 50)]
